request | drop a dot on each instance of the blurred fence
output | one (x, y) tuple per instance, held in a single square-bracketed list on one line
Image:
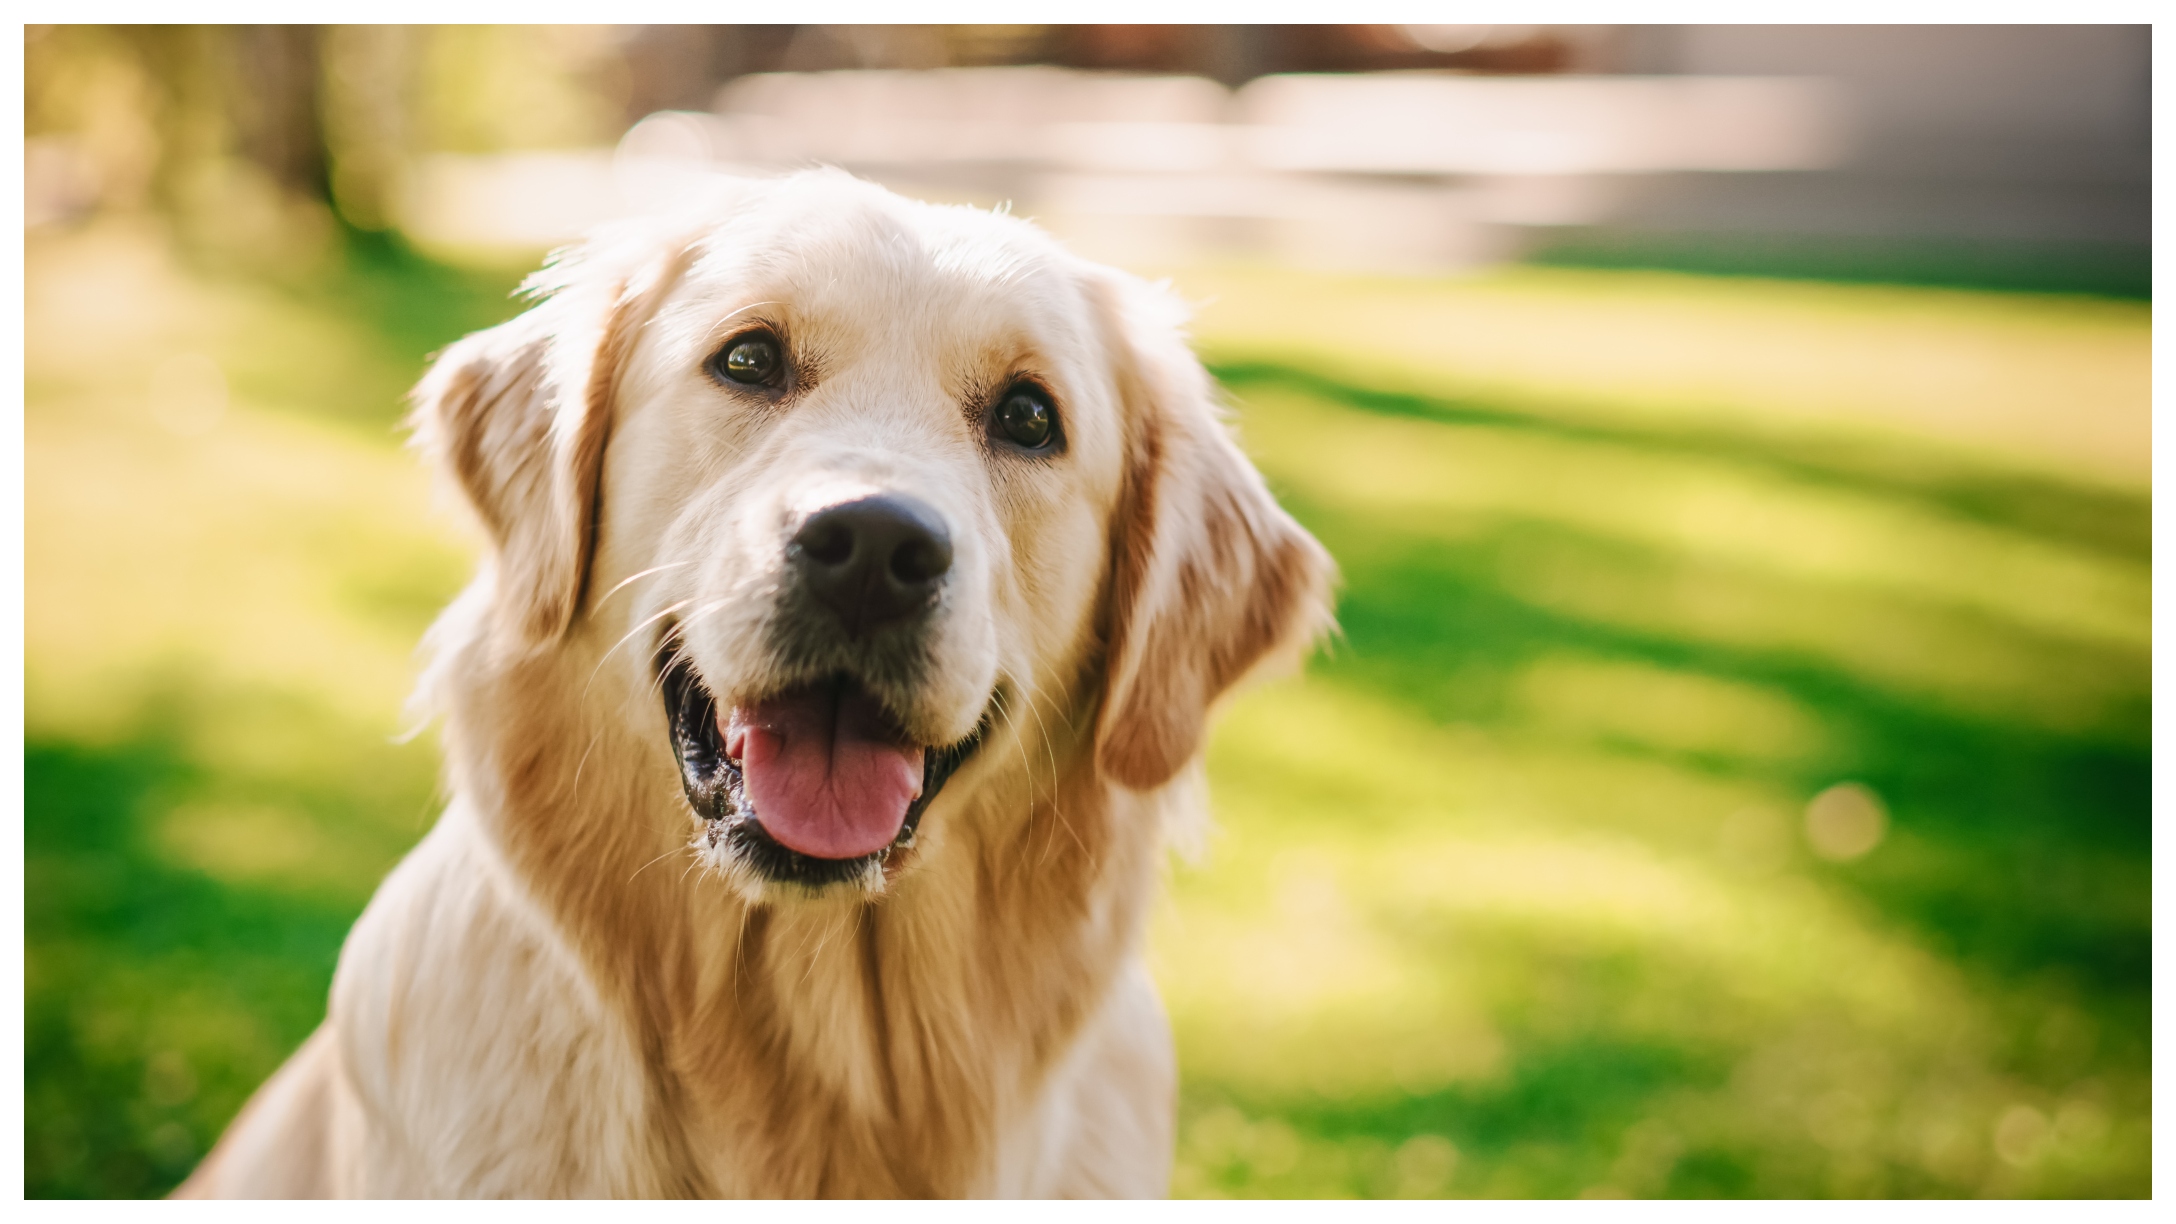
[(1403, 172)]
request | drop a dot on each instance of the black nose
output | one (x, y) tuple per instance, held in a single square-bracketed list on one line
[(875, 560)]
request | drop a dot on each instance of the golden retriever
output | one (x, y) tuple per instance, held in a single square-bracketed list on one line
[(861, 575)]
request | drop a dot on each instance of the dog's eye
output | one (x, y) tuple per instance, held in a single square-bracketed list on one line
[(751, 360), (1025, 418)]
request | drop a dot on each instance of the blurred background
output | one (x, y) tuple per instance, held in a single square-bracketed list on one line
[(1733, 775)]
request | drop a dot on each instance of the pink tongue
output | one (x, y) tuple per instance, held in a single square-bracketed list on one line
[(827, 777)]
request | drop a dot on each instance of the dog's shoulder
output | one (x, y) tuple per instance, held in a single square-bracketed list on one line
[(476, 1041)]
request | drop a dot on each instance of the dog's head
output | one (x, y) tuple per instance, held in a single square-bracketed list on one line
[(852, 488)]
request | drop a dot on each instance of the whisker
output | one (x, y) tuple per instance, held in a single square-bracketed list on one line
[(575, 784), (1012, 723), (744, 310), (740, 936), (1057, 810), (710, 609), (1050, 754), (607, 656), (677, 644), (622, 583), (659, 859), (808, 968)]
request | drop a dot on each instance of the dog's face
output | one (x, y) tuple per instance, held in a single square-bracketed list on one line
[(870, 453), (847, 489)]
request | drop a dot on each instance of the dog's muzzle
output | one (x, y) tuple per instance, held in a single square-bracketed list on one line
[(817, 782)]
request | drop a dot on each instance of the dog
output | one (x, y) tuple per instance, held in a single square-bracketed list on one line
[(861, 574)]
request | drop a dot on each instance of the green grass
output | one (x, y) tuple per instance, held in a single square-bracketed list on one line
[(1515, 892)]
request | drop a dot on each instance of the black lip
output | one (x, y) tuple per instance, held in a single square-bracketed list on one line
[(717, 791)]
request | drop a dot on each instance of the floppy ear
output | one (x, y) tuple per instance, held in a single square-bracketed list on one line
[(518, 416), (1209, 575)]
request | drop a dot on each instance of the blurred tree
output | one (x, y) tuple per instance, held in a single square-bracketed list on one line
[(271, 75), (369, 80), (234, 91), (250, 136), (218, 127)]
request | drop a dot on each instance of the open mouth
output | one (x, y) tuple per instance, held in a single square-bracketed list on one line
[(814, 785)]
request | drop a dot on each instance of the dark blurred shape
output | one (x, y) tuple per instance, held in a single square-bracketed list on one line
[(1236, 54), (1987, 155), (272, 99), (679, 67), (244, 90), (219, 127)]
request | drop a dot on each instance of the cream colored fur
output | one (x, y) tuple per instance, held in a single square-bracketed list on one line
[(564, 990)]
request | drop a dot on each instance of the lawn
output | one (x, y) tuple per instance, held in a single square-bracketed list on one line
[(1731, 778)]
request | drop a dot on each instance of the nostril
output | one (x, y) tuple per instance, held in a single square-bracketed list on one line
[(826, 540), (921, 559)]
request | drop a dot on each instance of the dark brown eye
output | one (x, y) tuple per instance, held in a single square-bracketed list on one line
[(750, 360), (1025, 418)]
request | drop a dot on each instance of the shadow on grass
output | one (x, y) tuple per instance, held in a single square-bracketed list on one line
[(158, 996), (2112, 269)]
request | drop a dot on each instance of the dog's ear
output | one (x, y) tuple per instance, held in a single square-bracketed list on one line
[(1209, 576), (518, 415)]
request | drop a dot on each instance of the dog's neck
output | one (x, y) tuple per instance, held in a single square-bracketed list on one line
[(829, 1045)]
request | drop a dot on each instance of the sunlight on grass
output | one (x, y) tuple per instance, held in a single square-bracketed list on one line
[(2052, 384), (270, 547), (242, 548), (1610, 700)]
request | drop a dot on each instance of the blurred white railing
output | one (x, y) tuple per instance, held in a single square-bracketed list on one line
[(1412, 171)]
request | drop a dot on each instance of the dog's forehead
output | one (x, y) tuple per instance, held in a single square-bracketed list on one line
[(856, 261)]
